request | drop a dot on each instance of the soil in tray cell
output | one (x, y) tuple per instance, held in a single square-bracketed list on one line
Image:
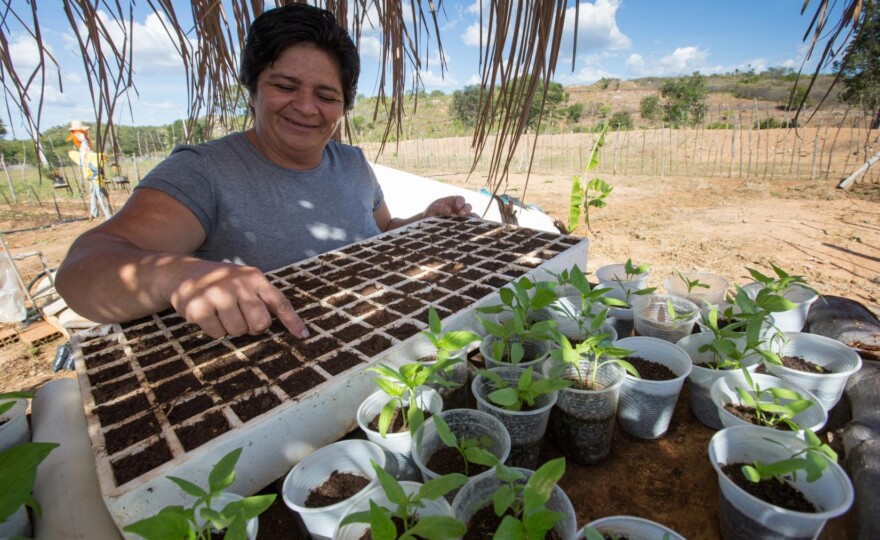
[(131, 333), (222, 367), (245, 340), (495, 282), (422, 316), (165, 370), (183, 330), (211, 426), (155, 356), (177, 387), (147, 343), (95, 345), (341, 299), (340, 362), (390, 279), (108, 374), (311, 350), (338, 487), (132, 466), (126, 408), (104, 358), (254, 406), (264, 350), (456, 303), (195, 341), (314, 312), (209, 353), (131, 433), (403, 331), (300, 381), (334, 320), (180, 411), (408, 305), (352, 332), (237, 385), (380, 318), (477, 291), (428, 295), (374, 345), (280, 365), (112, 390)]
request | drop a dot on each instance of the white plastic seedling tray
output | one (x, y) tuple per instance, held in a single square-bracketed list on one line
[(151, 387)]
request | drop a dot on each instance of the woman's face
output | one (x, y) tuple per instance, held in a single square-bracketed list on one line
[(297, 106)]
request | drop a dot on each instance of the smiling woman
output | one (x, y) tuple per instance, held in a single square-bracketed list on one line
[(201, 229)]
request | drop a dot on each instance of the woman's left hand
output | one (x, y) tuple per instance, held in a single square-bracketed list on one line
[(453, 205)]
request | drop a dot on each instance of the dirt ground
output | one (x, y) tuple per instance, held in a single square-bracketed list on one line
[(830, 236)]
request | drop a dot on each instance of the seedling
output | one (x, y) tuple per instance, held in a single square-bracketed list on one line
[(401, 386), (519, 325), (691, 284), (586, 320), (180, 522), (630, 271), (526, 391), (813, 460), (595, 192), (725, 352), (448, 342), (472, 450), (523, 505), (773, 406), (597, 351), (780, 283), (382, 527), (676, 316)]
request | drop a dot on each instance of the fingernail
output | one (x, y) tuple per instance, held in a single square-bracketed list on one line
[(305, 333)]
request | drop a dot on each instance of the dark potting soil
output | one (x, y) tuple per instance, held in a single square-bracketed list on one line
[(747, 414), (131, 433), (374, 345), (338, 487), (210, 427), (484, 523), (352, 332), (178, 412), (155, 356), (237, 385), (582, 441), (449, 460), (134, 465), (109, 391), (126, 408), (398, 524), (781, 494), (801, 364), (300, 381), (101, 359), (403, 331), (651, 371), (340, 362), (113, 372), (254, 406)]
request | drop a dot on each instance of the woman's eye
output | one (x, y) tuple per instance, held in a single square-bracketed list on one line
[(327, 98)]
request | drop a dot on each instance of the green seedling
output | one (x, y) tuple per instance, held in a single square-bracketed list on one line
[(406, 507), (523, 505), (779, 284), (449, 342), (691, 284), (401, 386), (526, 391), (583, 316), (630, 271), (180, 522), (773, 406), (473, 450), (596, 351), (676, 316), (725, 352), (519, 303), (18, 471), (595, 192), (812, 460)]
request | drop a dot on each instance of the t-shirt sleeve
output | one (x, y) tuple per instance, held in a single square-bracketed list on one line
[(182, 175), (378, 195)]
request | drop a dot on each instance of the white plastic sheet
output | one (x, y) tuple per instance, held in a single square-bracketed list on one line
[(11, 300)]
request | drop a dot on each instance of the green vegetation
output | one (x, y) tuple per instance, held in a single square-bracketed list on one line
[(861, 76)]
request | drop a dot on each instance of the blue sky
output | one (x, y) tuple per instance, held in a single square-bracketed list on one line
[(616, 38)]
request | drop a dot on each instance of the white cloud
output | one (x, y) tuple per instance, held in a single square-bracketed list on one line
[(635, 63), (682, 61), (432, 81), (471, 36), (597, 27), (154, 52), (475, 79), (369, 47)]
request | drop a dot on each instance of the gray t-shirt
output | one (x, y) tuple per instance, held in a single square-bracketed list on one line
[(257, 213)]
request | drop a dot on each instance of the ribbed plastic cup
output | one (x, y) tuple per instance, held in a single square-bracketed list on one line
[(631, 527), (651, 316), (536, 352), (353, 531), (714, 294), (524, 427), (14, 430)]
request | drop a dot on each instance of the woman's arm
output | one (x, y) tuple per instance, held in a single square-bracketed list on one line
[(453, 205), (139, 262)]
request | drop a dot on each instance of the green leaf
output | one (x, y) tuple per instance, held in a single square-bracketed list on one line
[(575, 200), (252, 507), (162, 526), (509, 529), (388, 372), (189, 488), (480, 456), (540, 485), (444, 432), (356, 517), (503, 499), (434, 321), (453, 341), (385, 417), (18, 469), (437, 528), (391, 388), (539, 522), (440, 486), (750, 473), (390, 486), (505, 397)]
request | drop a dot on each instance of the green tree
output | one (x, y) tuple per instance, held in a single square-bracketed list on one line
[(861, 67), (649, 108), (685, 100), (620, 120), (465, 104), (573, 112), (2, 128)]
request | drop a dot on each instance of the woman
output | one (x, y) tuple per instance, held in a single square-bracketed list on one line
[(202, 227)]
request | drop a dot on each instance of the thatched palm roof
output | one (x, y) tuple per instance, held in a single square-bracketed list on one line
[(521, 46)]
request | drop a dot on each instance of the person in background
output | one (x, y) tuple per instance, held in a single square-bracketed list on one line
[(90, 165), (200, 230)]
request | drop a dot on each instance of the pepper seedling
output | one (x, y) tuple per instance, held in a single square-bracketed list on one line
[(691, 284), (523, 505), (401, 386), (813, 460), (473, 450), (526, 391), (591, 350), (587, 321), (773, 406)]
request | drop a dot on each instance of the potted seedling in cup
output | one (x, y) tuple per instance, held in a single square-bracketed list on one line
[(791, 287), (214, 510), (585, 411), (517, 503), (753, 462), (665, 317), (405, 510), (706, 286), (463, 441), (391, 415), (583, 310), (521, 400), (452, 345)]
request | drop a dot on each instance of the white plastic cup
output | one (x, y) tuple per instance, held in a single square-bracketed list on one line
[(652, 319), (219, 502), (353, 531), (631, 527), (537, 350), (613, 276), (792, 320), (524, 427), (15, 429), (348, 456), (714, 294)]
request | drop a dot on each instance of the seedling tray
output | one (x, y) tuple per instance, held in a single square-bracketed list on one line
[(162, 398)]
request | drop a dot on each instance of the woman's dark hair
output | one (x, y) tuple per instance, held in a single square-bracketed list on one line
[(277, 29)]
